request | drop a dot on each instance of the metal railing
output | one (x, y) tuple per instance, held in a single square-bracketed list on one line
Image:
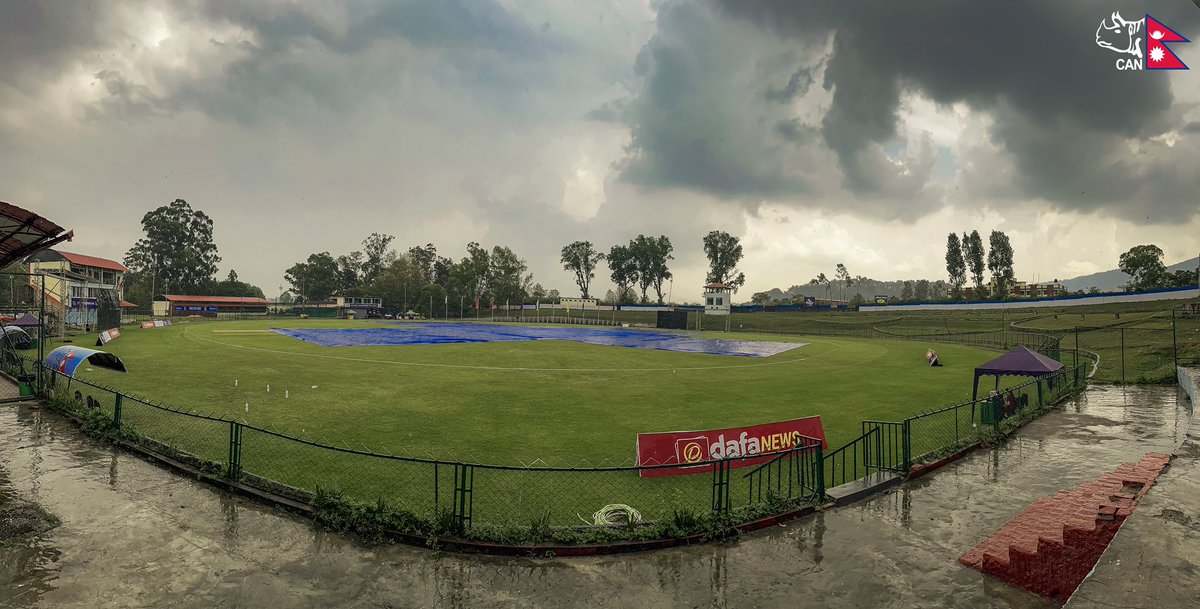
[(495, 497)]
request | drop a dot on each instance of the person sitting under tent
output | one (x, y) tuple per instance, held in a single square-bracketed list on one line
[(932, 357)]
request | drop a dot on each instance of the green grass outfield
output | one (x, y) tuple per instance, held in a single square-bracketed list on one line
[(508, 403)]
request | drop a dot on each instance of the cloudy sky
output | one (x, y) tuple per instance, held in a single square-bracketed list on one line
[(820, 132)]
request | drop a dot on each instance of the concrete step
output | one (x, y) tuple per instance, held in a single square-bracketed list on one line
[(863, 487)]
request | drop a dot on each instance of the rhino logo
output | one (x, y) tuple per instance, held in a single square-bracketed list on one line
[(1121, 36)]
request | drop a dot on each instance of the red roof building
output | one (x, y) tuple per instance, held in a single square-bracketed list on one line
[(92, 261), (178, 305)]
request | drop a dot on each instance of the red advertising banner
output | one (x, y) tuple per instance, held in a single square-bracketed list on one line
[(107, 336), (147, 324), (702, 447)]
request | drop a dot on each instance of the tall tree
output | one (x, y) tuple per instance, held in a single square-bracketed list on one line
[(1143, 264), (398, 284), (425, 258), (821, 279), (907, 293), (972, 246), (177, 250), (470, 275), (442, 269), (843, 277), (350, 276), (724, 252), (956, 265), (375, 253), (507, 276), (650, 255), (315, 279), (622, 269), (581, 258), (1000, 262)]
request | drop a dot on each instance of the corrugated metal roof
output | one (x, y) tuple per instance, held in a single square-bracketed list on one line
[(23, 232), (92, 261)]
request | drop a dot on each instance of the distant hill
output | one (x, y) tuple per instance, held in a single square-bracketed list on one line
[(866, 286), (1107, 281)]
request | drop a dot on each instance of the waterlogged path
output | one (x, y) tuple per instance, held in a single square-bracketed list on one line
[(134, 535)]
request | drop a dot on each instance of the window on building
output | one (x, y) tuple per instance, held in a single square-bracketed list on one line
[(708, 301)]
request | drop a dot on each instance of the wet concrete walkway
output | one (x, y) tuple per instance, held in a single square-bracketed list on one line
[(134, 535), (1155, 559)]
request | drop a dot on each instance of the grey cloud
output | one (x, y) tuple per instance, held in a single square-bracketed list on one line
[(694, 126), (717, 112), (797, 85), (609, 112), (1062, 111)]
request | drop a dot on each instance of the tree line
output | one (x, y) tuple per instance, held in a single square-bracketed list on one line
[(965, 259), (177, 254), (642, 265)]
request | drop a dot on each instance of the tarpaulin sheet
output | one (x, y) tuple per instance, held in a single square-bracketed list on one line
[(67, 359), (444, 333)]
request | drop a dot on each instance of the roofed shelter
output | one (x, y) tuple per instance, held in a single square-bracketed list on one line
[(25, 321), (175, 305), (23, 232), (1021, 361)]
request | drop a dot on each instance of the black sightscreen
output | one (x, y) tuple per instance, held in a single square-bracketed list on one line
[(672, 320), (108, 310)]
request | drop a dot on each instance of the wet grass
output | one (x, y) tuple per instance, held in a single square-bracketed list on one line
[(513, 403)]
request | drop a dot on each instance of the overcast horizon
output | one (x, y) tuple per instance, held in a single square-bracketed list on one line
[(817, 132)]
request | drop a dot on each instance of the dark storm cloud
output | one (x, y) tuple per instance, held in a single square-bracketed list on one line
[(714, 111), (717, 112), (1063, 112), (693, 123)]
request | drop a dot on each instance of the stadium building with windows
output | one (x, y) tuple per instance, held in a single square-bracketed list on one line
[(84, 291)]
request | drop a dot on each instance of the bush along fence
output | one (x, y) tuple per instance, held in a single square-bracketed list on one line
[(446, 502)]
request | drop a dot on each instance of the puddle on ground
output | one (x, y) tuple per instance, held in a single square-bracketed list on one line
[(136, 535)]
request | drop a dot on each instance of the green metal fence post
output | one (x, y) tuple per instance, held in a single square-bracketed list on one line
[(235, 451), (906, 444), (1174, 342), (464, 495), (720, 487), (820, 465), (1122, 355), (1041, 402), (117, 411)]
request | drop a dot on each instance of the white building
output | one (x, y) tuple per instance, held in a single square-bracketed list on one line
[(717, 299)]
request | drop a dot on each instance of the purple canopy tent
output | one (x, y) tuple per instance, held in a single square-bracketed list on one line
[(25, 321), (1018, 362)]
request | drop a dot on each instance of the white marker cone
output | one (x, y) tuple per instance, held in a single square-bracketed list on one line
[(235, 382), (247, 406), (268, 389), (285, 394)]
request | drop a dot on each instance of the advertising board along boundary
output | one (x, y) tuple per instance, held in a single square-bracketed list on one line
[(695, 451)]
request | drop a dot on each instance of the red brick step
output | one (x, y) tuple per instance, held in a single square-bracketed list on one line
[(1050, 547)]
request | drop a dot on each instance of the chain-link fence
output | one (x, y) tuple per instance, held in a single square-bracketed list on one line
[(490, 501)]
